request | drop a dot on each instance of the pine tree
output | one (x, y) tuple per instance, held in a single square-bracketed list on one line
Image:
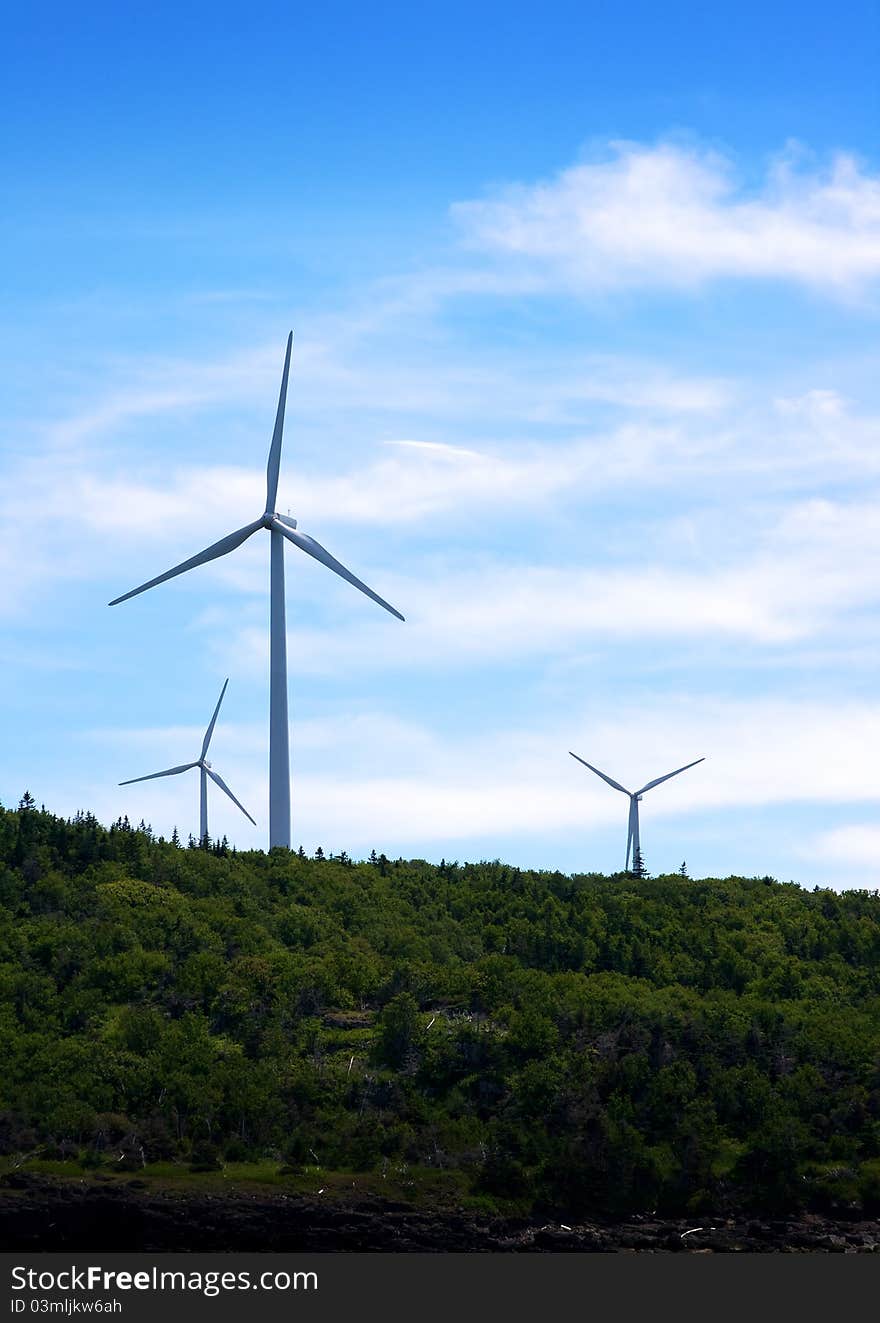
[(638, 868), (27, 802), (175, 837), (683, 871)]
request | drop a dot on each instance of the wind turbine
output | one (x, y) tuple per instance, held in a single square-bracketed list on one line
[(205, 771), (279, 527), (632, 837)]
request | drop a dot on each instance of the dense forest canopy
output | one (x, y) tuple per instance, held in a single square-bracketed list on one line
[(581, 1042)]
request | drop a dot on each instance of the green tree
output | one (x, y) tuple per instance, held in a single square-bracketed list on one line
[(399, 1030)]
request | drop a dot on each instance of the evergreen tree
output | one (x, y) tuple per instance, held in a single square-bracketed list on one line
[(683, 871), (638, 866)]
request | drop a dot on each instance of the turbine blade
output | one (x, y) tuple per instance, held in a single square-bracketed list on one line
[(630, 830), (221, 548), (210, 731), (274, 465), (616, 784), (171, 771), (223, 786), (313, 548), (652, 784)]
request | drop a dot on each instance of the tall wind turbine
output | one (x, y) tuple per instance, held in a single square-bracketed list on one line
[(205, 771), (279, 527), (632, 837)]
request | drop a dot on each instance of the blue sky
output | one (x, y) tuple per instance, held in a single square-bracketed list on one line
[(585, 382)]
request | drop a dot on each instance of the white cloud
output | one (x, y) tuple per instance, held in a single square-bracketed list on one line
[(807, 575), (857, 844), (402, 481), (773, 578), (678, 432), (147, 388), (157, 515), (672, 216)]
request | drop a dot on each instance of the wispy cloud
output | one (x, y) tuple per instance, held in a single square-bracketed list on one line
[(673, 216), (804, 576), (856, 845), (813, 436)]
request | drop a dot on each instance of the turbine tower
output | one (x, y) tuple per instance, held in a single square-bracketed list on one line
[(279, 528), (205, 771), (632, 836)]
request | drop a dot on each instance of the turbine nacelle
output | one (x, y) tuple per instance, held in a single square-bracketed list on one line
[(271, 518)]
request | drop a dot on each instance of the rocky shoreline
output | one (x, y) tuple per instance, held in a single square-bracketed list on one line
[(42, 1215)]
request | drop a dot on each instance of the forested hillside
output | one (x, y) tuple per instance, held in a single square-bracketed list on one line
[(584, 1043)]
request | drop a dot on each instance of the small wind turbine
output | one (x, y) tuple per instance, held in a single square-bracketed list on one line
[(205, 771), (632, 838), (280, 527)]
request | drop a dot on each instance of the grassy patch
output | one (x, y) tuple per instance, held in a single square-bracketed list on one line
[(421, 1187)]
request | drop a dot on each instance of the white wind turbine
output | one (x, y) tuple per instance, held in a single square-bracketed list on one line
[(205, 771), (279, 527), (632, 837)]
